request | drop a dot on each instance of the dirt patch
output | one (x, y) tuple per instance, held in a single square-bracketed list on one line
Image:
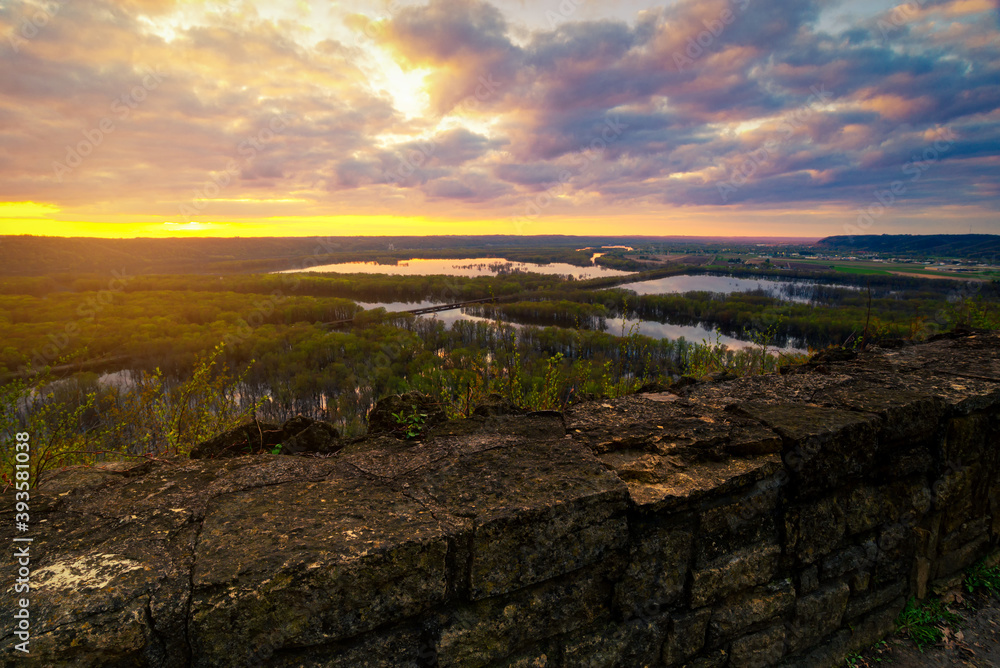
[(661, 259), (975, 643), (944, 276)]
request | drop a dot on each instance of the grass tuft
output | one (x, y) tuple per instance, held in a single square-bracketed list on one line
[(981, 576), (923, 621)]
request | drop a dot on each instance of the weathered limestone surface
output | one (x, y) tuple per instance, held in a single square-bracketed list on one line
[(753, 522)]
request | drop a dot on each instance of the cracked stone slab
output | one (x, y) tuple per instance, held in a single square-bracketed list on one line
[(683, 486), (532, 510), (666, 425), (309, 563), (130, 528), (905, 414), (959, 394), (791, 388), (823, 446), (971, 356), (115, 589)]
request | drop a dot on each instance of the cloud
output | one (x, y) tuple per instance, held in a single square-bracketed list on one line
[(458, 146), (463, 41), (473, 187), (537, 174), (653, 110)]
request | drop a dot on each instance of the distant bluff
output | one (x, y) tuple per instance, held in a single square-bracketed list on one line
[(973, 246)]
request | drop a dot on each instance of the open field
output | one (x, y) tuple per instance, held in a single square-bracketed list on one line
[(891, 268), (950, 277)]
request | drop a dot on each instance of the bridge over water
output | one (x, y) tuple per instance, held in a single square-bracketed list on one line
[(437, 308)]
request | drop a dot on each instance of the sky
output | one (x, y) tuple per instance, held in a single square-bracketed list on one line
[(797, 118)]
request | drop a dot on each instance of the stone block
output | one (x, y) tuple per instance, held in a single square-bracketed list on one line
[(488, 630), (967, 438), (759, 650), (634, 643), (737, 572), (922, 576), (738, 613), (823, 447), (864, 508), (543, 660), (994, 509), (953, 493), (329, 560), (859, 582), (905, 416), (833, 651), (877, 625), (738, 525), (714, 659), (814, 529), (407, 645), (657, 569), (961, 558), (950, 583), (897, 547), (677, 488), (686, 637), (818, 615), (854, 558), (809, 579), (537, 510), (865, 603), (969, 531), (869, 506), (830, 654)]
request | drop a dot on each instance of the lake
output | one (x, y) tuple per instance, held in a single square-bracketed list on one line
[(795, 290), (785, 289), (650, 328), (447, 317), (469, 267)]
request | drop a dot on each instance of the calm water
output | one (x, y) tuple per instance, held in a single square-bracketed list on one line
[(789, 290), (397, 306), (663, 330), (797, 290), (447, 317), (650, 328), (692, 333), (482, 266), (593, 257)]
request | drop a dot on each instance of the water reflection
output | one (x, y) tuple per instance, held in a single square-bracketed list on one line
[(394, 307), (656, 330), (447, 317), (801, 291), (484, 266), (692, 333)]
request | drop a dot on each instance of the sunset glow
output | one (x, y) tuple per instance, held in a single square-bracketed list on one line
[(773, 117)]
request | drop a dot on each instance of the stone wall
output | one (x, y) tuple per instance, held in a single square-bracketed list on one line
[(753, 522)]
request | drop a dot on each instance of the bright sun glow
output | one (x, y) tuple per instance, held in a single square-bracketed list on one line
[(11, 212), (404, 86)]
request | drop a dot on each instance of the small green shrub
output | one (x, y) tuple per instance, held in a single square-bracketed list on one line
[(922, 622), (411, 424), (982, 577)]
